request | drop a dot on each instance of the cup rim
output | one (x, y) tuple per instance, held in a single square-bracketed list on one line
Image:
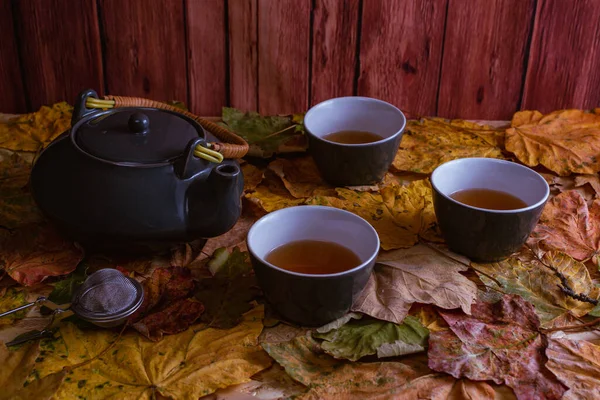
[(283, 211), (496, 161), (363, 98)]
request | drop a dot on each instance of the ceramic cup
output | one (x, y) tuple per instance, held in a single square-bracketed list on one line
[(486, 235), (311, 299), (354, 164)]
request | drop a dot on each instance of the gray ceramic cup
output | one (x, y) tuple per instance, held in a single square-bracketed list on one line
[(486, 235), (312, 299), (354, 164)]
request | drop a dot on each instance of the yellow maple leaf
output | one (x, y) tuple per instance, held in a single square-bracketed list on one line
[(253, 176), (399, 214), (32, 132), (182, 366), (16, 365), (430, 142), (301, 177), (564, 141), (272, 195)]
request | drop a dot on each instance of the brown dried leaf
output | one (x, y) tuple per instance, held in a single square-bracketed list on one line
[(576, 363), (567, 224), (301, 177), (538, 284), (592, 180), (499, 342), (564, 141), (35, 252), (253, 176), (173, 319), (430, 142), (271, 194), (419, 274)]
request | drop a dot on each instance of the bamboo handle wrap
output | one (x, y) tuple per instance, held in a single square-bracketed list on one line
[(233, 146)]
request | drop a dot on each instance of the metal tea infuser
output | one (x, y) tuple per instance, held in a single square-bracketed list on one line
[(106, 298)]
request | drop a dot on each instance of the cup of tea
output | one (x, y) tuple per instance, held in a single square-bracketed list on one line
[(353, 139), (486, 208), (312, 261)]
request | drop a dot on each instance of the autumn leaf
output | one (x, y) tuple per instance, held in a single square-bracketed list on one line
[(399, 214), (229, 293), (64, 289), (328, 378), (592, 180), (564, 141), (428, 316), (367, 336), (301, 177), (266, 135), (430, 142), (16, 366), (32, 132), (419, 274), (567, 224), (12, 298), (186, 365), (576, 363), (172, 319), (17, 206), (35, 252), (539, 285), (272, 195), (253, 176), (498, 342)]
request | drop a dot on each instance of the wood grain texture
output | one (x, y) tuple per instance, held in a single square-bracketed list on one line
[(207, 57), (60, 49), (283, 49), (334, 58), (144, 50), (484, 58), (243, 54), (400, 52), (12, 95), (564, 60)]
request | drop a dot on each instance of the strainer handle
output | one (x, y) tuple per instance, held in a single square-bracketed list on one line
[(39, 301)]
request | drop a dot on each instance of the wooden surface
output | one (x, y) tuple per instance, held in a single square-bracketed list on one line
[(12, 97), (144, 48), (60, 49), (334, 60), (283, 44), (564, 59), (453, 58), (206, 55), (484, 58), (400, 52), (243, 54)]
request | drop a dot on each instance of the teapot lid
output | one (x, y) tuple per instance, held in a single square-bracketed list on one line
[(138, 135)]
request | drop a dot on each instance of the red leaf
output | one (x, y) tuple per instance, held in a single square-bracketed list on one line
[(498, 342), (35, 252), (173, 319)]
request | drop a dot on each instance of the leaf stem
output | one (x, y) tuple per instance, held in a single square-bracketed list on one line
[(572, 327)]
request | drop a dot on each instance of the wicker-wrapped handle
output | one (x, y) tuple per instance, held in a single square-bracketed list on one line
[(232, 146)]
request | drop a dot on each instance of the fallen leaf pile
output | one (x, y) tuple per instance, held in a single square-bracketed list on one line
[(429, 324)]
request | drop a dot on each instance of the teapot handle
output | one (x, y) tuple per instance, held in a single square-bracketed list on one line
[(232, 146), (80, 109)]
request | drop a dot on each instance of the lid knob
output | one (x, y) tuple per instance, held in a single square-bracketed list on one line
[(139, 123)]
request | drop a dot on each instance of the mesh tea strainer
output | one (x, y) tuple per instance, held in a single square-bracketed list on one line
[(106, 298)]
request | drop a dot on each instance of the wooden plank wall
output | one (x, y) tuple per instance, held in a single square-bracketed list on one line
[(454, 58)]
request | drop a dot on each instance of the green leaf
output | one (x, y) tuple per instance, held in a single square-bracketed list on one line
[(266, 135), (63, 290), (228, 294), (367, 336)]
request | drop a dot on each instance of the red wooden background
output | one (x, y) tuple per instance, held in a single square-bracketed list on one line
[(454, 58)]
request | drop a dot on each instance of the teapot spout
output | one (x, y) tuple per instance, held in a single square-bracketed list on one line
[(216, 210)]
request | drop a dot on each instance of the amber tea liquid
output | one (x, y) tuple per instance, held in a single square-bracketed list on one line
[(489, 199), (352, 137), (313, 257)]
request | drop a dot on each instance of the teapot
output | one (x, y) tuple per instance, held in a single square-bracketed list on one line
[(134, 175)]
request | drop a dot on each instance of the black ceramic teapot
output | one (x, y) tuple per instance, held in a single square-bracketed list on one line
[(133, 175)]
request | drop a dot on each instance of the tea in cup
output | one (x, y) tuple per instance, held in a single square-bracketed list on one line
[(312, 261), (486, 208), (353, 139)]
